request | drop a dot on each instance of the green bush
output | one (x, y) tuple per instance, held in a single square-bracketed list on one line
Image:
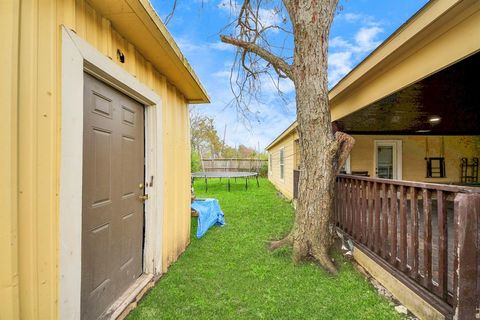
[(263, 172), (195, 165)]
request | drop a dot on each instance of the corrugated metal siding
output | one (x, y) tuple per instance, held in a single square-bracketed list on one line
[(38, 160), (9, 19), (177, 160), (38, 119)]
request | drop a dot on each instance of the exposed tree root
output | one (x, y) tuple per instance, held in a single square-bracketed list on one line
[(303, 252), (325, 261), (274, 245), (300, 251)]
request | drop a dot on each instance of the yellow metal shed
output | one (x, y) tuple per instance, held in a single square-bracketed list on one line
[(48, 47)]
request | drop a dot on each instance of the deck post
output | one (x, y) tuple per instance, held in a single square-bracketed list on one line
[(467, 273), (420, 237)]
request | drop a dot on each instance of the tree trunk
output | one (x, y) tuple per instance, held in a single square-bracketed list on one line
[(322, 152), (319, 148)]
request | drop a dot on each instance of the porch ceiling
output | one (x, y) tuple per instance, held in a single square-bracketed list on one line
[(453, 95)]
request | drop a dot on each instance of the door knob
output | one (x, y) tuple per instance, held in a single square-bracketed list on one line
[(143, 197)]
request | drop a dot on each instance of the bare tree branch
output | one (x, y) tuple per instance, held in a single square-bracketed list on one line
[(172, 12), (278, 63)]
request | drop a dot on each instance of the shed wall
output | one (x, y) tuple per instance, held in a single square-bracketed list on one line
[(9, 19), (31, 147)]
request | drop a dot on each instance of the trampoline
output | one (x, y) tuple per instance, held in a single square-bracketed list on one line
[(226, 175)]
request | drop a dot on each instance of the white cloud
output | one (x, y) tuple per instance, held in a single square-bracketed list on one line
[(222, 74), (365, 38), (267, 119), (221, 46), (339, 42), (187, 45), (272, 116), (271, 120), (351, 17), (269, 17), (344, 54), (286, 86), (339, 64)]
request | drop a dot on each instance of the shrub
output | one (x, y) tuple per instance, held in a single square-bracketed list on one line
[(195, 165), (263, 171)]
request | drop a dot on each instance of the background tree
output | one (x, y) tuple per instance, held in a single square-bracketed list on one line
[(195, 162), (322, 150), (246, 152), (229, 152), (205, 142), (204, 138)]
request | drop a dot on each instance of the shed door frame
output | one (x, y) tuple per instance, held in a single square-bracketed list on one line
[(78, 57)]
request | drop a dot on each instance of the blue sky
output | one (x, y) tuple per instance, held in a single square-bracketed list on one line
[(196, 25)]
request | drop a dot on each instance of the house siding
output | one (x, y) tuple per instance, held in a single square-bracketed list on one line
[(285, 185), (414, 152), (362, 157), (30, 148)]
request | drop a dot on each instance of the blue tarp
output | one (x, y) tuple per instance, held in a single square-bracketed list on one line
[(209, 214)]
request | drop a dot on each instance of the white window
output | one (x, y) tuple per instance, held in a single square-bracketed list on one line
[(282, 164)]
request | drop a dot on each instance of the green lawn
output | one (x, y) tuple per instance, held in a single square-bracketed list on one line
[(229, 274)]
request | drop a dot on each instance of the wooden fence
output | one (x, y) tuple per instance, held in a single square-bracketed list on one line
[(426, 235), (234, 164)]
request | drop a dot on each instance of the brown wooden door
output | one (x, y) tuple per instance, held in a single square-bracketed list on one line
[(113, 177)]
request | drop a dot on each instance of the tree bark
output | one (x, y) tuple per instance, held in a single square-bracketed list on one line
[(319, 148)]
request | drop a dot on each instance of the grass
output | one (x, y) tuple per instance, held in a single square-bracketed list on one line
[(229, 274)]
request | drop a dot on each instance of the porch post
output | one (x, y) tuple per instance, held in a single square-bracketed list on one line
[(467, 242)]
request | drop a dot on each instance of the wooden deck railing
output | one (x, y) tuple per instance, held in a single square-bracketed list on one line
[(426, 235)]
